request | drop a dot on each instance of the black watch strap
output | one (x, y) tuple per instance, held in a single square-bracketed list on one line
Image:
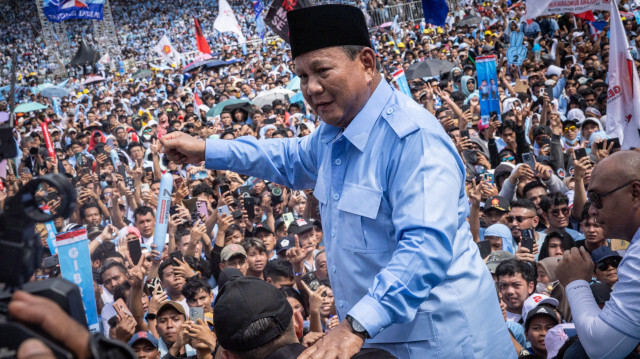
[(150, 316)]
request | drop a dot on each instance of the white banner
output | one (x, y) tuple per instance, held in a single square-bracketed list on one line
[(227, 22), (623, 113), (167, 51), (537, 8)]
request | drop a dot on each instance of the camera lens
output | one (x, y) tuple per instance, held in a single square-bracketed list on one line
[(33, 151), (276, 191)]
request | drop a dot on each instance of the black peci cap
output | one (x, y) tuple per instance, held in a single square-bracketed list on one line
[(318, 27), (240, 302)]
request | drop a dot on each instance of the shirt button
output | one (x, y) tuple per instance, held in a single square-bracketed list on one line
[(333, 233), (333, 269), (336, 196), (341, 303), (389, 110), (338, 162)]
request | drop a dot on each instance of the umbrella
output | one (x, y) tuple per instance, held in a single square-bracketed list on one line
[(142, 74), (39, 88), (196, 65), (294, 84), (29, 107), (229, 105), (93, 80), (470, 21), (54, 91), (234, 61), (267, 97), (215, 63), (428, 68)]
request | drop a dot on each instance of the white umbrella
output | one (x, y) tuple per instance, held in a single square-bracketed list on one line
[(267, 97)]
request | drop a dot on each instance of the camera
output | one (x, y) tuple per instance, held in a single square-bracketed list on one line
[(33, 151), (276, 194)]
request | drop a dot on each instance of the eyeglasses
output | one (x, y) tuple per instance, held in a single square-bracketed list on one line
[(505, 159), (603, 266), (569, 128), (520, 219), (557, 211), (596, 199)]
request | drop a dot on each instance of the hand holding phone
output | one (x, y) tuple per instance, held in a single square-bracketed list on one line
[(121, 308), (196, 313), (527, 239)]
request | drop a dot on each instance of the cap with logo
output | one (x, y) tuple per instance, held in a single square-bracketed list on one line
[(143, 336), (242, 301), (232, 250), (534, 301), (540, 311), (262, 227), (300, 225), (285, 243), (497, 257), (497, 202)]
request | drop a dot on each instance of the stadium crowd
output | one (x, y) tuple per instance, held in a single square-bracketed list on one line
[(527, 169)]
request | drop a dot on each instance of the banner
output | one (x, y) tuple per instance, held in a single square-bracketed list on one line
[(401, 80), (488, 88), (167, 51), (162, 212), (623, 113), (435, 11), (227, 22), (51, 231), (550, 7), (75, 265), (277, 16), (61, 10), (261, 28)]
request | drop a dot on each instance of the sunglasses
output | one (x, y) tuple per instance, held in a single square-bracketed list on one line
[(505, 159), (603, 266), (557, 211), (596, 199), (569, 128), (520, 219)]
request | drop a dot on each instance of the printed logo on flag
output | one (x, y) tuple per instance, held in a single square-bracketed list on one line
[(61, 10)]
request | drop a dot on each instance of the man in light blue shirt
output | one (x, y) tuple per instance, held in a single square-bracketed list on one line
[(405, 272)]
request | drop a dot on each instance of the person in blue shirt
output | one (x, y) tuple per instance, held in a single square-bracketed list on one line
[(406, 274)]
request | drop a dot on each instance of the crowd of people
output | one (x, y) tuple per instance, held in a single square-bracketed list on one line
[(527, 171)]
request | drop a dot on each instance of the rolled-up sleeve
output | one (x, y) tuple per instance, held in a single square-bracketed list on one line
[(425, 180), (290, 162)]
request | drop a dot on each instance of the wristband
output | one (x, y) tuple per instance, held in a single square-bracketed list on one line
[(99, 239), (298, 274)]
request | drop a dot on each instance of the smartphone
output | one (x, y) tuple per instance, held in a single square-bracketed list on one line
[(615, 140), (50, 261), (530, 160), (196, 313), (122, 171), (121, 308), (527, 238), (488, 177), (173, 210), (135, 252), (154, 286), (580, 153), (178, 182), (176, 255), (464, 133), (223, 189), (545, 141), (288, 219), (542, 92), (549, 91), (311, 281), (244, 191), (145, 188), (201, 207), (250, 206), (224, 210)]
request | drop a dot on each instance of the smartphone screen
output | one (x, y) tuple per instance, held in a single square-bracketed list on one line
[(223, 189), (580, 153), (464, 133), (528, 158), (135, 252), (488, 177), (311, 281)]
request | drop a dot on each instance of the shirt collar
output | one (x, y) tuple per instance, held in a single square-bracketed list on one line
[(359, 129), (636, 236)]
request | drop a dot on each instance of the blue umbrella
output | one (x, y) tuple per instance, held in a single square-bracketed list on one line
[(54, 91), (294, 84), (29, 107), (41, 87), (215, 63)]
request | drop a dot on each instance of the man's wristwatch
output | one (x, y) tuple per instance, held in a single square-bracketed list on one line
[(150, 316), (357, 327)]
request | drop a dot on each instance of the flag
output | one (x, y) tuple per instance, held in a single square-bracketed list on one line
[(587, 15), (277, 16), (167, 51), (261, 28), (196, 104), (551, 7), (623, 113), (201, 42), (227, 22), (61, 10), (401, 80), (257, 7), (105, 59), (435, 11), (595, 28)]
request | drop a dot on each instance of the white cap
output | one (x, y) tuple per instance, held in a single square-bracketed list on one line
[(535, 300), (575, 114)]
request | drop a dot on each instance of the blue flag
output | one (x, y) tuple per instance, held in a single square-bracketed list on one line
[(257, 7), (75, 265), (435, 11), (61, 10)]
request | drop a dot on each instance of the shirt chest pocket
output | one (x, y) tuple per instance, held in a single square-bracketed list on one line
[(359, 207)]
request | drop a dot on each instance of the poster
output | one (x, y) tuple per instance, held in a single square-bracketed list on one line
[(488, 88), (277, 16), (61, 10)]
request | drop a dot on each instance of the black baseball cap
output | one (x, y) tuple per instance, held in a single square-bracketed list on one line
[(497, 202), (262, 227), (242, 301), (539, 311), (285, 243), (300, 225)]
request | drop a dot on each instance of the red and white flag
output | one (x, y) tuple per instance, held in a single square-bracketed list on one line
[(196, 105), (201, 41), (623, 112)]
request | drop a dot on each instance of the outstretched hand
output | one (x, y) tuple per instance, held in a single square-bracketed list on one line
[(182, 148)]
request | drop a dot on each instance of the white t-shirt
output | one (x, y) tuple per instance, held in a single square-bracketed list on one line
[(513, 317)]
